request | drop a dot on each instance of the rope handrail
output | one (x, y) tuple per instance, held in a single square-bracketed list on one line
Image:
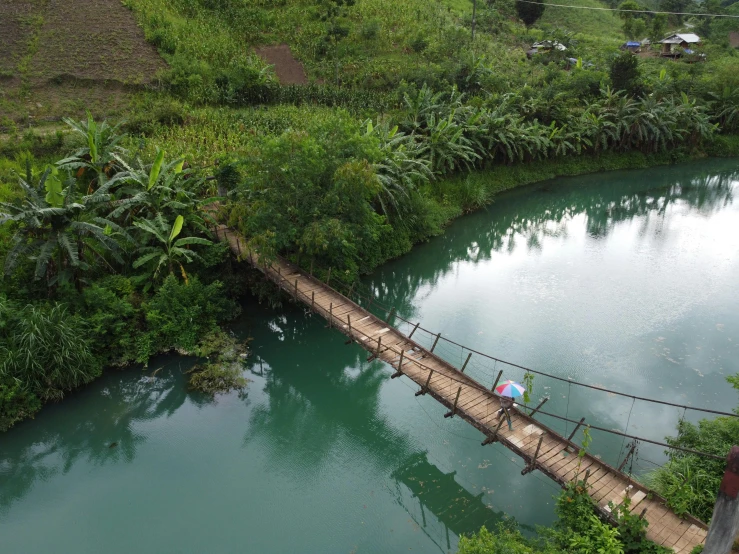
[(469, 382), (544, 374), (640, 439)]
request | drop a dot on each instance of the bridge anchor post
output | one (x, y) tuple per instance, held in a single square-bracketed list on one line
[(466, 362), (569, 439), (391, 314), (494, 437), (414, 329), (425, 388), (400, 366), (435, 341), (377, 352), (349, 323), (454, 407), (531, 466), (539, 406), (628, 455), (500, 373)]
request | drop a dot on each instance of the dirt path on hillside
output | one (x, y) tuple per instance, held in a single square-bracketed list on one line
[(289, 70)]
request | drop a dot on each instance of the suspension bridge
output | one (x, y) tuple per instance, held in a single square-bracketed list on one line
[(540, 447)]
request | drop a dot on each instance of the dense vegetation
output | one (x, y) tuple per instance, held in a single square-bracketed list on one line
[(578, 530), (404, 124), (99, 253), (690, 483)]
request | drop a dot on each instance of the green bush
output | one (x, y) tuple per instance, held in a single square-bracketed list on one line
[(180, 314), (46, 349), (16, 403)]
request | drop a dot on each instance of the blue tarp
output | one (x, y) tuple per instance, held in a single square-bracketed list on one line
[(688, 51), (632, 43)]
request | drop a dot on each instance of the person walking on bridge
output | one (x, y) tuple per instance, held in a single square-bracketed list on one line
[(508, 391)]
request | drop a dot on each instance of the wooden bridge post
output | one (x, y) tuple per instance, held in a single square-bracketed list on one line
[(435, 341), (391, 314), (628, 455), (497, 379), (351, 291), (313, 300), (400, 365), (330, 314), (531, 466), (379, 342), (539, 406), (425, 388), (296, 289), (494, 437), (328, 278), (414, 329), (725, 521), (311, 267), (349, 323), (587, 476), (575, 431), (454, 408), (466, 362)]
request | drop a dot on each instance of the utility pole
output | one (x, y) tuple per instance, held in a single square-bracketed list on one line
[(725, 520)]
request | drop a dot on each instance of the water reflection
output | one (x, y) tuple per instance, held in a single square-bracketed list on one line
[(332, 403), (97, 426), (428, 489), (546, 209)]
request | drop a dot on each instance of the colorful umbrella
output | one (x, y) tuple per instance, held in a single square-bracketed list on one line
[(511, 389)]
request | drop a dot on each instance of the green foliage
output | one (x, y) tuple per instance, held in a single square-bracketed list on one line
[(179, 314), (224, 370), (505, 540), (45, 349), (625, 72), (688, 482), (16, 403), (578, 530)]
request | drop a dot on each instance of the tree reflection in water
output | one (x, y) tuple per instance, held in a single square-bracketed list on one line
[(332, 403), (524, 217), (98, 425)]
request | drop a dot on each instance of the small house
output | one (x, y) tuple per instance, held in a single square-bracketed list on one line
[(675, 45)]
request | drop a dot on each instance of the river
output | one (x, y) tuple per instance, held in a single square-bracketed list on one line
[(628, 280)]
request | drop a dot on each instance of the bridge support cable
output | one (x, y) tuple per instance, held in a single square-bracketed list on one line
[(475, 403)]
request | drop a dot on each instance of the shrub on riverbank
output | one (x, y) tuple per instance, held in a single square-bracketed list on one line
[(578, 530), (690, 483)]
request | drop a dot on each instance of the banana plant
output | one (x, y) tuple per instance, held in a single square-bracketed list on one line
[(168, 250), (59, 229), (100, 153)]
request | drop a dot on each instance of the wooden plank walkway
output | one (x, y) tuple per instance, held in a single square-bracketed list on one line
[(540, 447)]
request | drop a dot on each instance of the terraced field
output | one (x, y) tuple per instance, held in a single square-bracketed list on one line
[(58, 57)]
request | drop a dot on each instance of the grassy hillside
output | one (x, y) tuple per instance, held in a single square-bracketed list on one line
[(595, 24)]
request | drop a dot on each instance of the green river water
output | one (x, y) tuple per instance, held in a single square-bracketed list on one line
[(628, 280)]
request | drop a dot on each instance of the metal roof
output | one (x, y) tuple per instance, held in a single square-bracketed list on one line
[(677, 38)]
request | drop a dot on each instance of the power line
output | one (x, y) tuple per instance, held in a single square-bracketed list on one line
[(631, 11)]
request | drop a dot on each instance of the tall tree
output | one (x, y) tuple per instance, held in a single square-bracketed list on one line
[(529, 12)]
